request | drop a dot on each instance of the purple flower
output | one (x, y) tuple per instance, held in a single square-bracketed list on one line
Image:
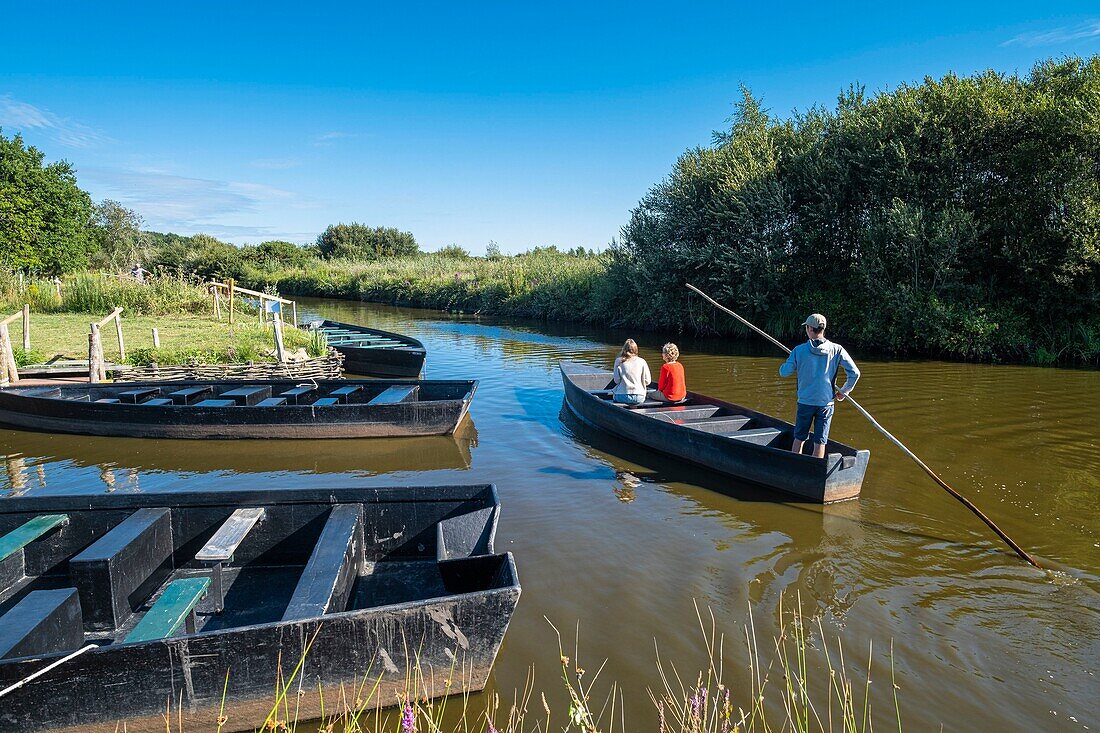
[(408, 719)]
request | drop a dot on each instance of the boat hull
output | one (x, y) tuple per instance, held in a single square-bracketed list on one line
[(451, 632), (407, 362), (837, 477), (34, 409)]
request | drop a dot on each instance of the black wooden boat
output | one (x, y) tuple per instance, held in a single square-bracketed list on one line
[(242, 409), (188, 595), (721, 436), (372, 352)]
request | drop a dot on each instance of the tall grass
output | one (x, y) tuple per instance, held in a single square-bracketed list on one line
[(799, 682), (101, 293)]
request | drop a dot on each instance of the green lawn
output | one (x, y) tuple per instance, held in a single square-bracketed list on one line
[(183, 338)]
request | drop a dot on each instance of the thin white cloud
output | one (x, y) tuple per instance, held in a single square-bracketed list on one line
[(328, 138), (25, 117), (275, 164), (186, 205), (1064, 34)]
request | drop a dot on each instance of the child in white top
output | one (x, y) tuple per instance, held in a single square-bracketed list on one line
[(631, 376)]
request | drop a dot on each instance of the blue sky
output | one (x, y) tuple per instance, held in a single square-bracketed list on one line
[(527, 124)]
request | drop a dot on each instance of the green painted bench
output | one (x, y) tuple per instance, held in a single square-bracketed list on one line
[(27, 533), (175, 607)]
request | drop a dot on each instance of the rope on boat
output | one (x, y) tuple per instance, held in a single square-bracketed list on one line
[(47, 668), (943, 484)]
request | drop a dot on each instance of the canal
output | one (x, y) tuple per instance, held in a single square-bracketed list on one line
[(623, 544)]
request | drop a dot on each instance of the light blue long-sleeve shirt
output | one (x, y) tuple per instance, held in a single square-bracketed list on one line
[(816, 363)]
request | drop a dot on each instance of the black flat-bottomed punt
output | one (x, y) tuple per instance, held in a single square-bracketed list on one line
[(189, 595), (371, 352), (242, 409), (724, 437)]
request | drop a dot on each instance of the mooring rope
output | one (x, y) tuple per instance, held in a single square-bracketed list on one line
[(47, 668)]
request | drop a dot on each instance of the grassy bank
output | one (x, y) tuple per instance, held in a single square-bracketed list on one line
[(180, 311), (604, 290)]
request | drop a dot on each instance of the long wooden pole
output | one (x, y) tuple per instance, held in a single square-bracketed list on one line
[(943, 484), (26, 326)]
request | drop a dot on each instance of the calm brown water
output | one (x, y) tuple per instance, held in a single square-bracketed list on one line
[(624, 543)]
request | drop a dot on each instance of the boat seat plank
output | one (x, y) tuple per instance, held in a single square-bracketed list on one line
[(294, 394), (113, 573), (107, 401), (43, 622), (719, 425), (134, 396), (215, 403), (330, 574), (221, 546), (30, 531), (158, 402), (188, 395), (343, 393), (395, 394), (326, 401), (174, 608), (271, 402), (247, 396), (759, 436)]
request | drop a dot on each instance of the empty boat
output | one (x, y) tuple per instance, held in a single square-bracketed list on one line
[(242, 409), (185, 599), (371, 352), (724, 437)]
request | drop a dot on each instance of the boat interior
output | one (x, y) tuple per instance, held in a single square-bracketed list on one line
[(266, 394), (706, 415), (360, 339), (121, 575)]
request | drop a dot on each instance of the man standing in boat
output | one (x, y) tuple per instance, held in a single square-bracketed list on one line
[(816, 362)]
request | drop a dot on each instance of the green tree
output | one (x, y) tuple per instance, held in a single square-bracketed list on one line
[(275, 254), (119, 236), (44, 216), (360, 242)]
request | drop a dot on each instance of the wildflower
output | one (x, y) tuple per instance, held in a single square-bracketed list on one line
[(408, 719), (564, 661)]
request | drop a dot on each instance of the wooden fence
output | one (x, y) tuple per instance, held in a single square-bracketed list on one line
[(9, 372), (97, 363)]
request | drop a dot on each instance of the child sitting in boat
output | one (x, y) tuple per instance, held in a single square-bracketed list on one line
[(631, 376), (671, 385)]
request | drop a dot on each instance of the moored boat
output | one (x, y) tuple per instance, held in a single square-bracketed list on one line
[(724, 437), (194, 598), (242, 409), (372, 352)]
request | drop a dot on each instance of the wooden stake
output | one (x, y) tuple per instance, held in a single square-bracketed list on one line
[(121, 343), (943, 484), (9, 354), (217, 303), (95, 361), (156, 339), (26, 326), (280, 351), (294, 312), (230, 301)]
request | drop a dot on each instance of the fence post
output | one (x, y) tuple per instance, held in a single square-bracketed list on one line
[(280, 350), (26, 326), (230, 301), (217, 302), (294, 312), (261, 311), (95, 361), (8, 354), (57, 287), (156, 339), (121, 343), (4, 376)]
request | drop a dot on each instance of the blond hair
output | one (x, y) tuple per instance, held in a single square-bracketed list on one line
[(630, 349), (671, 351)]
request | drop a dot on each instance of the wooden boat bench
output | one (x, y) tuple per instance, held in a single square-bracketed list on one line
[(215, 403), (219, 549), (158, 402), (294, 395), (43, 622), (395, 394), (343, 393), (247, 396), (135, 396), (189, 395), (329, 576), (108, 401), (272, 402), (12, 558), (759, 436), (174, 608), (725, 425), (327, 401), (133, 555), (680, 413)]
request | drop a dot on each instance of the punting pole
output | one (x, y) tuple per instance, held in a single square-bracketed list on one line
[(943, 484), (47, 668)]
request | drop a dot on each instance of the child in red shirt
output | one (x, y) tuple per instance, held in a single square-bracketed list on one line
[(671, 385)]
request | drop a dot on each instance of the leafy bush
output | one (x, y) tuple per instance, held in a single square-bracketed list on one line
[(360, 242)]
